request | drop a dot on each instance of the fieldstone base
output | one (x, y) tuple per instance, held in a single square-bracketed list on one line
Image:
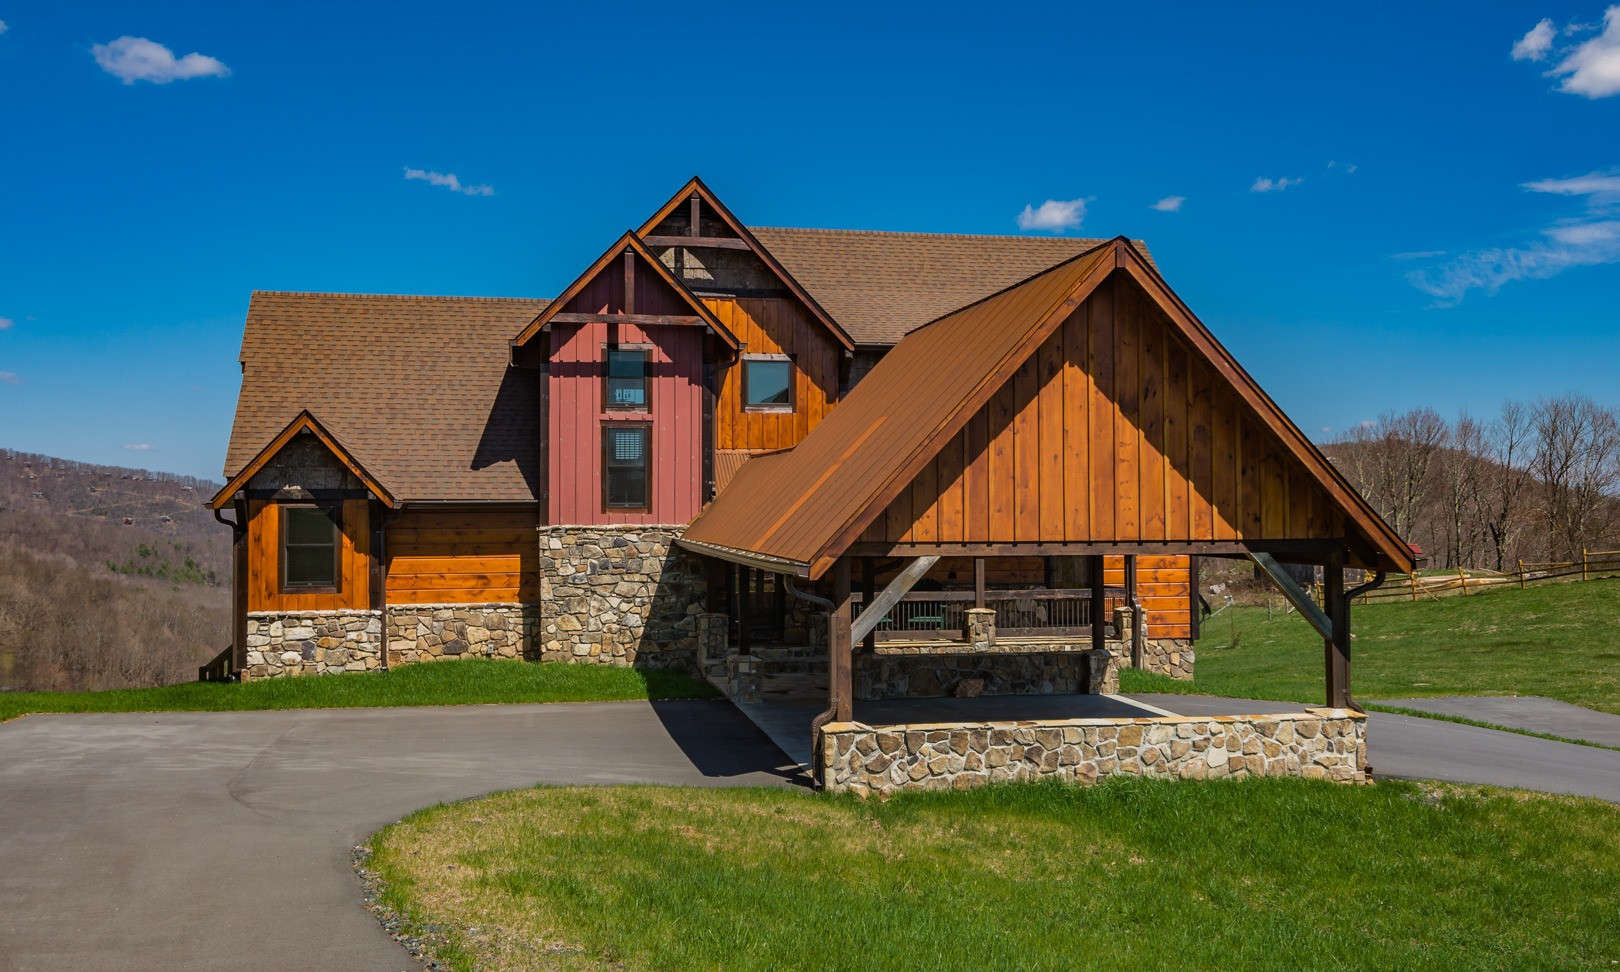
[(1168, 656), (930, 671), (442, 632), (619, 595), (1315, 743), (284, 643)]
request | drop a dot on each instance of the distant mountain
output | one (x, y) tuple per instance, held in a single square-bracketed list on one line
[(109, 577)]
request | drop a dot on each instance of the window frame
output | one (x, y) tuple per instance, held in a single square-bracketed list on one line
[(792, 384), (608, 405), (608, 429), (334, 515)]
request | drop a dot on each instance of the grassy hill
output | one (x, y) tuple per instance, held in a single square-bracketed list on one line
[(109, 577), (1557, 640)]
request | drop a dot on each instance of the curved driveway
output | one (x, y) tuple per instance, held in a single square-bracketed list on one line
[(223, 840)]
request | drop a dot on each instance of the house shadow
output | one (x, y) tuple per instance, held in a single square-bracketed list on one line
[(722, 743), (509, 428)]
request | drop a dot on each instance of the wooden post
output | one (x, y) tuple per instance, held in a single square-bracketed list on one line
[(1099, 603), (1130, 602), (1462, 577), (978, 582), (1521, 573), (1583, 563), (745, 626), (840, 664), (239, 587), (1413, 576), (868, 592), (1336, 650)]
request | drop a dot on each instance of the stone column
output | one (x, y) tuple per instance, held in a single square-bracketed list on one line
[(980, 629), (711, 639)]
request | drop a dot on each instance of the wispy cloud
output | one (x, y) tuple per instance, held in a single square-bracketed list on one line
[(3, 27), (449, 181), (10, 378), (1053, 216), (138, 446), (6, 323), (1348, 168), (1264, 184), (1417, 255), (1169, 204), (1536, 42), (1592, 69), (1587, 240), (132, 59)]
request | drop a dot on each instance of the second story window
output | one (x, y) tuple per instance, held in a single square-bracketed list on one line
[(767, 383), (628, 371), (626, 449)]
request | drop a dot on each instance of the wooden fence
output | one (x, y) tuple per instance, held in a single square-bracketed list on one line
[(1464, 581)]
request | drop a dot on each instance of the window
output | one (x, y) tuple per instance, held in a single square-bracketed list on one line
[(625, 462), (767, 383), (627, 372), (309, 548)]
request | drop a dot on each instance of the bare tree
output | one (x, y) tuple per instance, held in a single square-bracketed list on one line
[(1392, 462), (1577, 461), (1504, 484)]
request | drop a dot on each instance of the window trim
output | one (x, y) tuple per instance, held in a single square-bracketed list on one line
[(647, 465), (334, 512), (608, 405), (792, 384)]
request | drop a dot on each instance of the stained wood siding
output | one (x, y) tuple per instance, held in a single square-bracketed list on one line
[(1164, 586), (774, 325), (1113, 431), (450, 557), (264, 561)]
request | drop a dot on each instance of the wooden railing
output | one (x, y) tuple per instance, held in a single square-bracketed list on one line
[(930, 615), (1593, 565), (218, 668)]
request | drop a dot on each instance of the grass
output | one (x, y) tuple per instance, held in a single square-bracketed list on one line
[(440, 683), (1270, 873), (1558, 640)]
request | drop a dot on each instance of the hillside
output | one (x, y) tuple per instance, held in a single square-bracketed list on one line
[(109, 577)]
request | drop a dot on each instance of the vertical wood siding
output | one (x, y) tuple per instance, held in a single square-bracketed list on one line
[(774, 325), (264, 561), (1114, 431), (465, 557)]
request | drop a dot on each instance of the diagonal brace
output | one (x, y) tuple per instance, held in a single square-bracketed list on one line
[(1296, 595), (872, 614)]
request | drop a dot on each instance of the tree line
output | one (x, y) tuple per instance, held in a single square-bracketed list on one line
[(1536, 482)]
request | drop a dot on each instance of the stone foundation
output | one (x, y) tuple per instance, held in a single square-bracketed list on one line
[(1168, 656), (619, 595), (933, 671), (441, 632), (284, 643), (1315, 744)]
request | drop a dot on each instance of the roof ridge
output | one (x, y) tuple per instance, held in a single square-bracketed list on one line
[(1037, 275), (331, 293), (960, 236)]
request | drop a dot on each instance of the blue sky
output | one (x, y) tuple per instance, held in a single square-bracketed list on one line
[(1442, 224)]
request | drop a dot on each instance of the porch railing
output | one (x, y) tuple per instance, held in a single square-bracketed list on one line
[(940, 615)]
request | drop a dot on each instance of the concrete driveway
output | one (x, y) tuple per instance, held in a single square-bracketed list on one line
[(223, 840)]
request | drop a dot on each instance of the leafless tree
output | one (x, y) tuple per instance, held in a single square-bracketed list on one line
[(1577, 463), (1504, 483), (1392, 461)]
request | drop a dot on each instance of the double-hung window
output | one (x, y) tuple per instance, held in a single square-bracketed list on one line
[(309, 549), (628, 379), (626, 463)]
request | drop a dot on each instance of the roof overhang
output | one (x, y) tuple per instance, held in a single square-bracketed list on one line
[(304, 421)]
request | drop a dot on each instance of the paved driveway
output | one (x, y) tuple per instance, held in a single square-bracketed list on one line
[(223, 840)]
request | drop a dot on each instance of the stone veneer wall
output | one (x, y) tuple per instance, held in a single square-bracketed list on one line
[(931, 671), (1168, 656), (619, 595), (1315, 744), (286, 643), (441, 632)]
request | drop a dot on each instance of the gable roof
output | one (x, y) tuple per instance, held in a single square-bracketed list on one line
[(418, 389), (802, 511), (879, 285), (629, 241), (302, 422), (695, 186)]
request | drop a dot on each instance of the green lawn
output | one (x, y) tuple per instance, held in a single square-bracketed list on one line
[(1268, 873), (439, 683), (1557, 640)]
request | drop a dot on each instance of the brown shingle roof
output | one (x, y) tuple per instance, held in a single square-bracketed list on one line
[(879, 285), (417, 388)]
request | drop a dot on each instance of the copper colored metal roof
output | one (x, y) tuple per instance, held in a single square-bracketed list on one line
[(793, 509), (417, 388), (879, 285)]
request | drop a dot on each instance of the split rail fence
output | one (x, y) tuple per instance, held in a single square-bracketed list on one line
[(1594, 564)]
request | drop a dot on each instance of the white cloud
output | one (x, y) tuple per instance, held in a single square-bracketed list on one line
[(449, 181), (132, 59), (1348, 168), (1593, 68), (1585, 234), (6, 323), (9, 378), (139, 446), (1264, 184), (1599, 187), (1536, 42), (1170, 204), (3, 27), (1053, 216), (1417, 255)]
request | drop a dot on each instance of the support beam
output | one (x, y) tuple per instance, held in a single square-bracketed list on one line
[(697, 242), (840, 646), (573, 317), (1298, 596), (1336, 645), (978, 582), (629, 281), (1099, 603), (868, 589), (872, 614), (1137, 619)]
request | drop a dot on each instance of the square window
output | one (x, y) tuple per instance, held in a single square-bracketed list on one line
[(626, 382), (309, 548), (626, 454), (767, 383)]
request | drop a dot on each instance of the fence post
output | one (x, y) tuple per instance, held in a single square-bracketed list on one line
[(1521, 573), (1583, 563), (1463, 578), (1413, 577)]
